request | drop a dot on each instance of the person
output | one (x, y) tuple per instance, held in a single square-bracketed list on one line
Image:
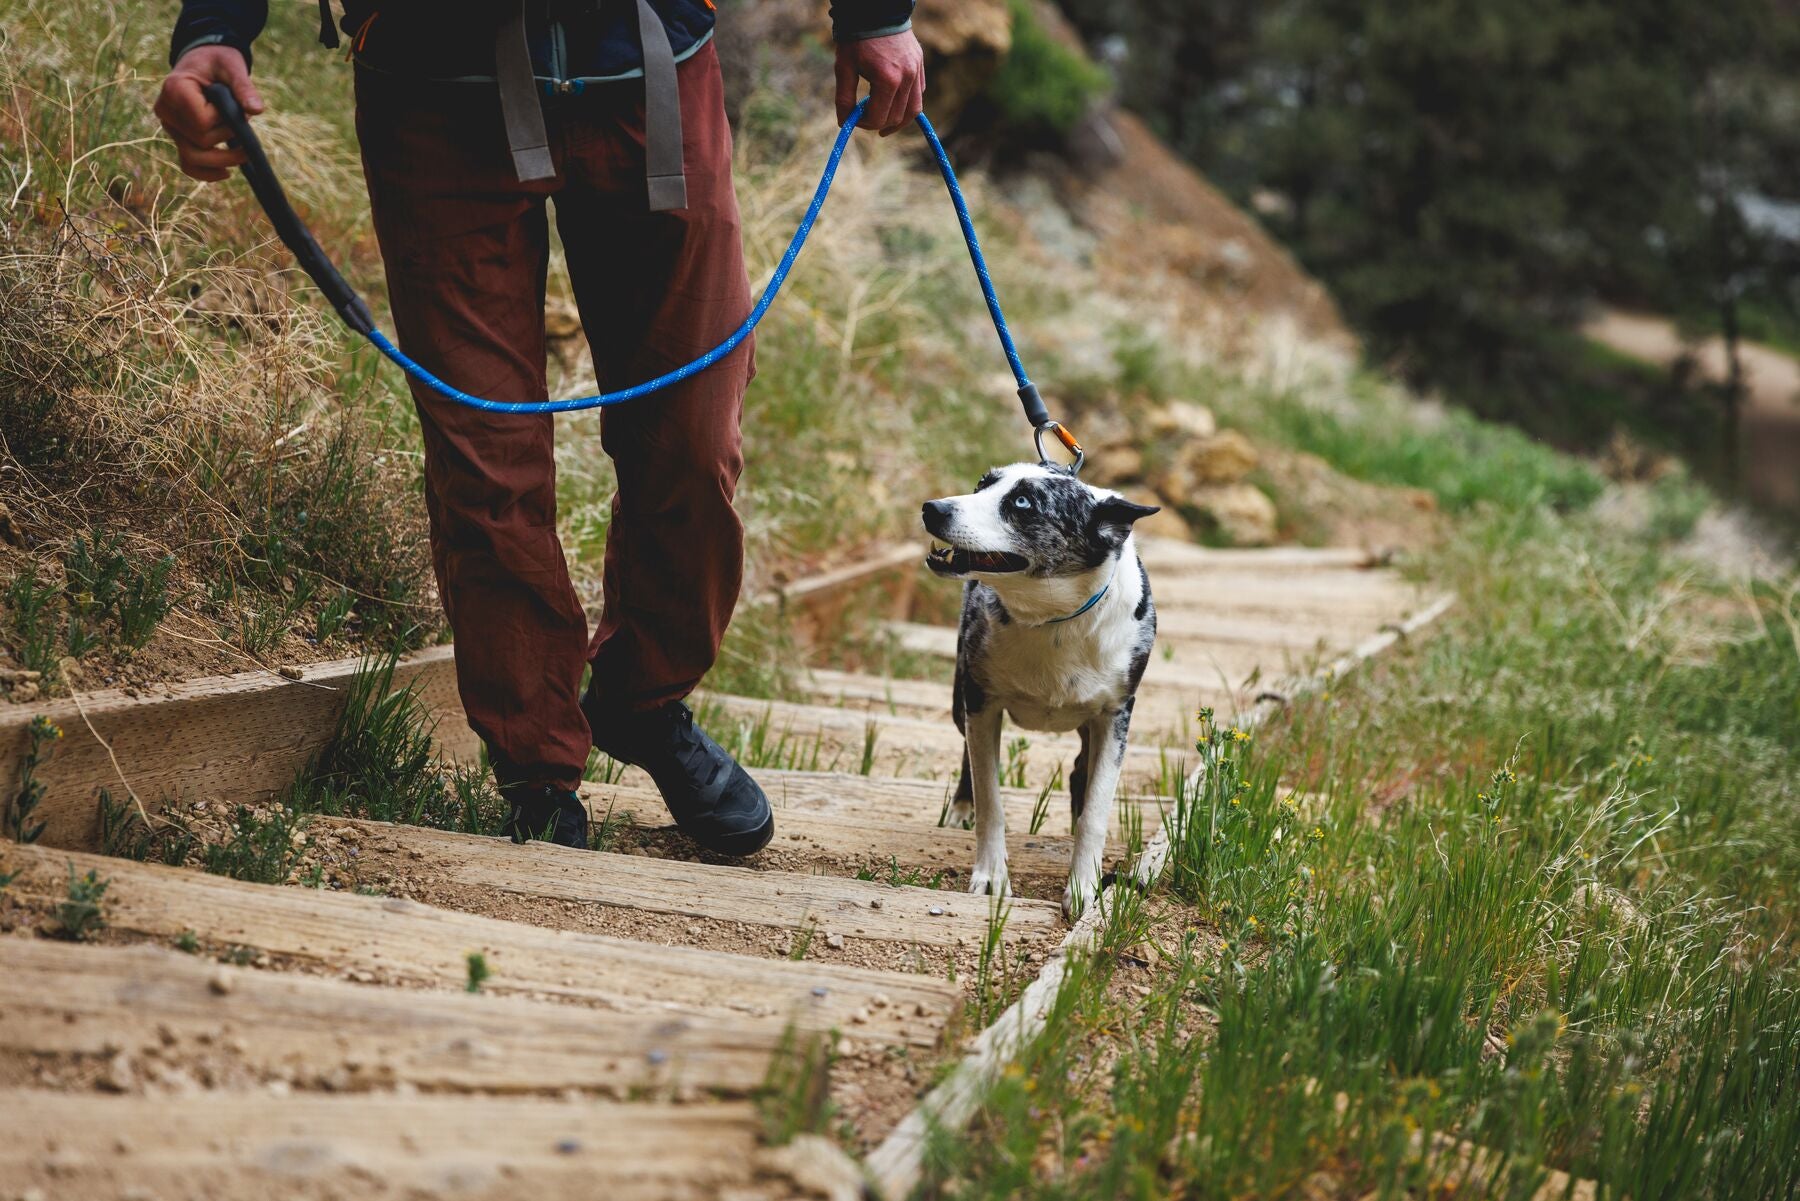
[(470, 117)]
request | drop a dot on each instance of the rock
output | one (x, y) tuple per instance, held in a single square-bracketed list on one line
[(1166, 523), (1225, 458), (1111, 466), (18, 675), (221, 982), (835, 941), (290, 672), (1240, 514), (25, 692), (561, 319), (815, 1166), (1183, 419), (964, 41)]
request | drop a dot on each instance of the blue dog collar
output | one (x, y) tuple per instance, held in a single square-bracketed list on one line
[(1092, 600)]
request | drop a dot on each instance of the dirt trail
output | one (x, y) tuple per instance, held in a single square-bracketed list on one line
[(1769, 439)]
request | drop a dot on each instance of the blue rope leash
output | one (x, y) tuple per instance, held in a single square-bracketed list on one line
[(261, 176)]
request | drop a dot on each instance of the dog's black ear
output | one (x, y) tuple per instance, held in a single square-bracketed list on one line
[(1117, 513), (1113, 517)]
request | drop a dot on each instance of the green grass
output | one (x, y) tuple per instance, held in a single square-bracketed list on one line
[(1459, 459), (1042, 86), (1538, 897), (82, 914)]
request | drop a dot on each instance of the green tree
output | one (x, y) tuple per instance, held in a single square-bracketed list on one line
[(1469, 177)]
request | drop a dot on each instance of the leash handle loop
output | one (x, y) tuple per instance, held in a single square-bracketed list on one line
[(288, 227)]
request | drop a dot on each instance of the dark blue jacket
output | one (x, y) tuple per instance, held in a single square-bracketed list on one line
[(579, 40)]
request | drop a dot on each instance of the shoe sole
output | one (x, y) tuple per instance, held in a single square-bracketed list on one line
[(738, 846)]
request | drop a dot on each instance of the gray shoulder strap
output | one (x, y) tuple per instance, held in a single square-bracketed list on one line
[(520, 107), (662, 114)]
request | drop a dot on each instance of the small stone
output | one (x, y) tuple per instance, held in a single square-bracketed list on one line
[(290, 672), (1184, 419), (656, 1057), (119, 1077), (835, 941), (819, 990), (875, 904), (880, 1000), (25, 692), (221, 983), (936, 911), (568, 1146)]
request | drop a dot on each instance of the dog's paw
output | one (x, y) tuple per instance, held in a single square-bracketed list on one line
[(1079, 896), (960, 815), (990, 879)]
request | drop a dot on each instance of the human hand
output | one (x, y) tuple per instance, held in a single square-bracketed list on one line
[(895, 68), (193, 123)]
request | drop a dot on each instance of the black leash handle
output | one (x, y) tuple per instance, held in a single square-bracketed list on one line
[(287, 223)]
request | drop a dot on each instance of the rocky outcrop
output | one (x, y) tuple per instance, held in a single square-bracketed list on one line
[(964, 41), (1176, 456)]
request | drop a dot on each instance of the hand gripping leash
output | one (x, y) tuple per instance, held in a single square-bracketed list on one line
[(313, 260)]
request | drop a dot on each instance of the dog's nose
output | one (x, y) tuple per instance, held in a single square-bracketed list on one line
[(935, 514)]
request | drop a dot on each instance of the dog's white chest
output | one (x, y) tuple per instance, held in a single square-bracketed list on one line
[(1053, 679)]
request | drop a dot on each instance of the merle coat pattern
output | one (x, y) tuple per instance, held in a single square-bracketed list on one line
[(1035, 544)]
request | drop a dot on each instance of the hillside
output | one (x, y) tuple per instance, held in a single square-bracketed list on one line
[(159, 348)]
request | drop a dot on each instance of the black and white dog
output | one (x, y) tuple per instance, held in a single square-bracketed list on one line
[(1057, 626)]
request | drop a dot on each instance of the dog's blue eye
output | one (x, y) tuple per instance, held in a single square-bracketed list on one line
[(1021, 502)]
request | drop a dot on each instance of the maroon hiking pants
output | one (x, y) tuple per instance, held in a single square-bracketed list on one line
[(466, 247)]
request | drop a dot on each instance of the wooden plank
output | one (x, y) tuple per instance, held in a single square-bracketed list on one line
[(411, 943), (909, 840), (928, 699), (916, 801), (1247, 586), (239, 737), (894, 558), (1290, 631), (813, 738), (1168, 554), (147, 1004), (1192, 671), (217, 1146), (785, 900), (931, 700)]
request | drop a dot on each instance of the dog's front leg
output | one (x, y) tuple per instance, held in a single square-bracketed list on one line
[(983, 735), (1106, 736)]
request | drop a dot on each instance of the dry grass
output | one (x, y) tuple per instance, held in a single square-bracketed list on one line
[(158, 382)]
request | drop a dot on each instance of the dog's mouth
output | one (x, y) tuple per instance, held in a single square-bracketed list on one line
[(957, 560)]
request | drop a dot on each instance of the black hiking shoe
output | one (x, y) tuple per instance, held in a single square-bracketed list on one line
[(713, 800), (545, 813)]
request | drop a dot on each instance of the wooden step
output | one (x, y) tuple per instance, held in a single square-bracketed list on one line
[(817, 738), (131, 1009), (916, 801), (239, 737), (927, 699), (1172, 554), (931, 701), (405, 942), (907, 840), (224, 1145), (1234, 587), (1183, 672), (785, 900)]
